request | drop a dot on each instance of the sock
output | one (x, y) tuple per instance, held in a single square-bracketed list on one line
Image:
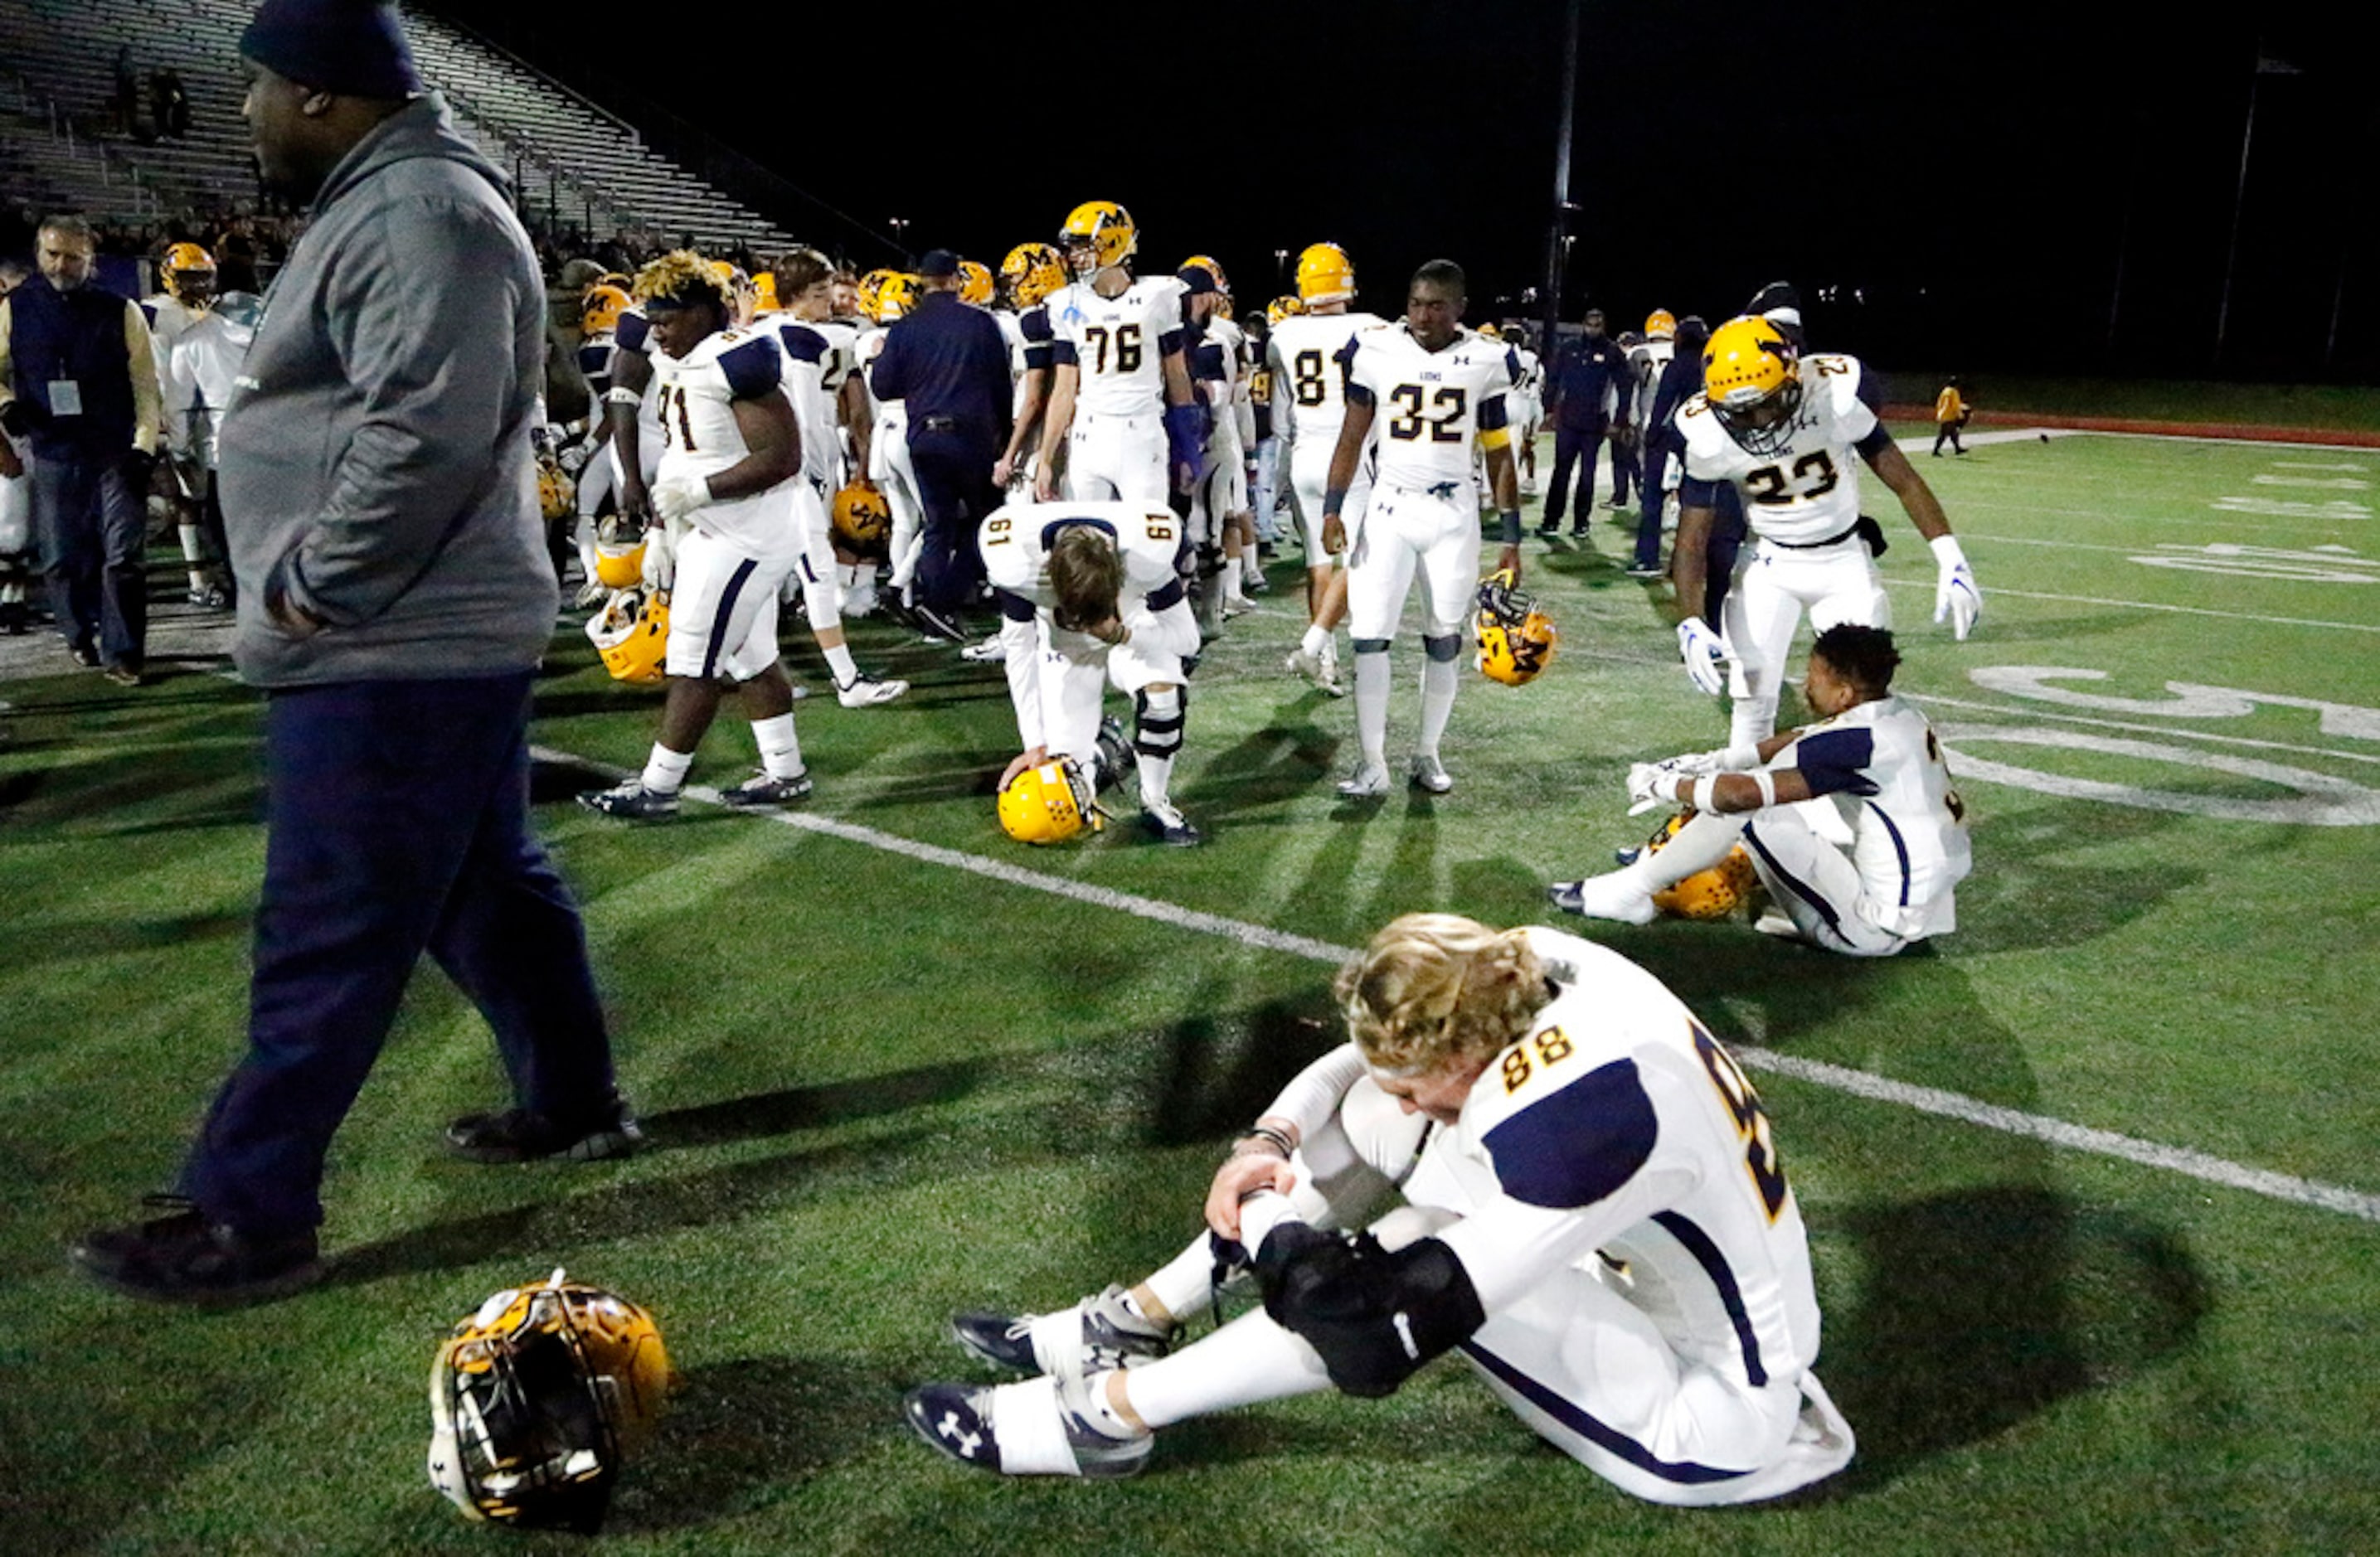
[(1438, 684), (781, 749), (1232, 576), (194, 552), (1183, 1283), (1751, 720), (838, 660), (1155, 775), (1252, 563), (1372, 706), (665, 770), (1249, 1360), (1700, 844), (1317, 639)]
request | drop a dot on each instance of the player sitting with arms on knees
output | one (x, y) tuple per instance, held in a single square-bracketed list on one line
[(1594, 1215), (1089, 594), (1873, 756), (724, 539)]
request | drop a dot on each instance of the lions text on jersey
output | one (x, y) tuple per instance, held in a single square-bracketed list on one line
[(1808, 495), (1118, 345), (1430, 405)]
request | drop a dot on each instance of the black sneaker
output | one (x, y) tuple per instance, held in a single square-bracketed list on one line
[(517, 1135), (183, 1258), (83, 655)]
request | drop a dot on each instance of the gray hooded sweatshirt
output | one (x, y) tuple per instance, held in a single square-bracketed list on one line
[(376, 466)]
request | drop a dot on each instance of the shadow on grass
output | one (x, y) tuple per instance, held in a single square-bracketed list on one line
[(1982, 1308), (800, 1108), (740, 1431), (1218, 1071)]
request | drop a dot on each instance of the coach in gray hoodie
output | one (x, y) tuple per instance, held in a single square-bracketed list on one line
[(394, 598)]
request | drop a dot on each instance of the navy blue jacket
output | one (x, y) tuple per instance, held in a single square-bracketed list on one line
[(948, 360), (1581, 375)]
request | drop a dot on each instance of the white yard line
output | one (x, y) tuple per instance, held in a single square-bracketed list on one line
[(2184, 732), (1859, 1083), (1927, 584)]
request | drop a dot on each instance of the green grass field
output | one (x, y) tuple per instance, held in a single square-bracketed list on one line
[(882, 1088)]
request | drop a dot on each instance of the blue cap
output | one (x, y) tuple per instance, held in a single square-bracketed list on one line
[(1198, 278), (937, 263), (351, 48)]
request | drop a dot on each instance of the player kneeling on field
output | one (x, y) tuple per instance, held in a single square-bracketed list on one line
[(1593, 1215), (1873, 758), (721, 543), (1089, 594)]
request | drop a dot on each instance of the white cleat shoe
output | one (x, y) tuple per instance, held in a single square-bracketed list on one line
[(1429, 775), (991, 649), (1614, 895), (1037, 1428), (1321, 669), (1369, 781), (867, 692)]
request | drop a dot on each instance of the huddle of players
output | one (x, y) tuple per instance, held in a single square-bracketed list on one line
[(1128, 422)]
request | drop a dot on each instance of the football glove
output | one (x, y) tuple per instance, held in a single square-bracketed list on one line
[(1705, 653), (1652, 784), (660, 557), (1956, 594), (1722, 759), (675, 497)]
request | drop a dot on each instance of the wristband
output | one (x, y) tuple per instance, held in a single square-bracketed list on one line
[(1768, 782), (620, 395), (1947, 554), (1334, 499), (1703, 793), (1512, 518)]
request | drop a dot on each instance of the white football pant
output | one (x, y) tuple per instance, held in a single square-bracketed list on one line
[(1120, 459), (1834, 584), (1402, 533), (723, 609)]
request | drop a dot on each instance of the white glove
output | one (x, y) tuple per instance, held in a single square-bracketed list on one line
[(1705, 653), (1956, 594), (675, 497), (661, 557), (1651, 784)]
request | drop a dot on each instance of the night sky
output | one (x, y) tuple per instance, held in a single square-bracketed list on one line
[(1960, 181)]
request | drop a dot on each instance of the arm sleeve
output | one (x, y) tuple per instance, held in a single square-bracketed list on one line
[(1039, 347), (411, 324), (1020, 643), (1315, 1093), (147, 390)]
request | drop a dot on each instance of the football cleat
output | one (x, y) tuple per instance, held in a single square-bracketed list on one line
[(1321, 669), (1648, 570), (1429, 775), (1752, 380), (1092, 1336), (762, 788), (1516, 640), (631, 801), (537, 1400), (518, 1135), (1615, 895), (989, 651), (1097, 234), (1369, 781), (1035, 1428), (867, 692), (1170, 826)]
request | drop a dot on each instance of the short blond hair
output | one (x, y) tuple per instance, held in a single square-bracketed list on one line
[(681, 276), (1435, 988)]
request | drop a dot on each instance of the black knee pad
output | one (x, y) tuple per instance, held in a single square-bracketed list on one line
[(1444, 649), (1369, 645), (1157, 732)]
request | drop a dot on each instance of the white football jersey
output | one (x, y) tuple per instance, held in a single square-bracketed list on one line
[(632, 333), (841, 338), (1619, 1134), (809, 356), (1881, 765), (169, 318), (1809, 492), (1428, 407), (1016, 541), (1118, 344), (1307, 354), (1647, 360), (696, 396), (1229, 349)]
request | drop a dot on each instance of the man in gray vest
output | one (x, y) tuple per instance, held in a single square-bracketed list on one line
[(79, 388), (379, 495)]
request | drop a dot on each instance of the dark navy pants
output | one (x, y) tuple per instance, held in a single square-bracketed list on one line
[(90, 526), (955, 489), (1649, 521), (397, 823), (1580, 445)]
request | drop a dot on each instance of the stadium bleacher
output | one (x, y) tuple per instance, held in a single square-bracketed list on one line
[(61, 142)]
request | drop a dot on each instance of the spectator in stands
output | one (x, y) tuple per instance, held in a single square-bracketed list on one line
[(394, 600), (949, 362), (79, 384), (169, 104)]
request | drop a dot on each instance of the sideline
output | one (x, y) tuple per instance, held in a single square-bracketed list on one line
[(1927, 584), (1859, 1083)]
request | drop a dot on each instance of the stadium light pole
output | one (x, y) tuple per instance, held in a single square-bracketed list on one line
[(2265, 66), (1555, 247)]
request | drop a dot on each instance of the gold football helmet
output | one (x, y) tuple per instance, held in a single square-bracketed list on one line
[(862, 518), (619, 555), (1097, 234), (632, 633), (1752, 380), (1031, 272), (1516, 640), (538, 1398), (557, 494), (870, 286), (1325, 274), (602, 309), (1660, 325), (1711, 894), (764, 293), (975, 282), (898, 297), (1049, 804), (1282, 307)]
